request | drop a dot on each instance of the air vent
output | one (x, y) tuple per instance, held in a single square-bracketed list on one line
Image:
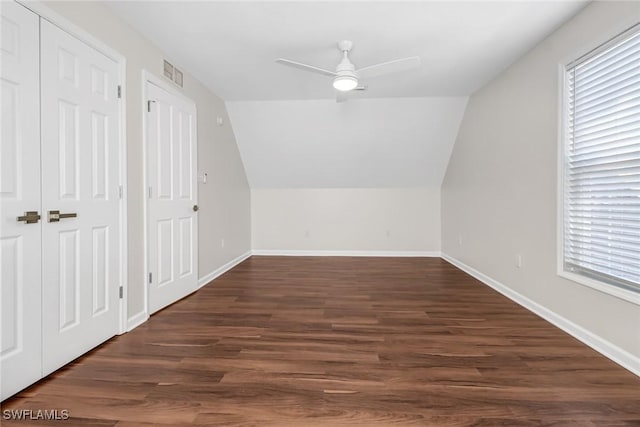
[(168, 70), (172, 73), (177, 77)]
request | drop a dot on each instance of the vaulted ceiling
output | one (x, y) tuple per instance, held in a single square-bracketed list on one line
[(393, 142), (293, 139)]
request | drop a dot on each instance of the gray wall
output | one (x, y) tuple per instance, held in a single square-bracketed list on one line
[(499, 193), (225, 201)]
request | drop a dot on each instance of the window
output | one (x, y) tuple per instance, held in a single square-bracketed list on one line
[(601, 165)]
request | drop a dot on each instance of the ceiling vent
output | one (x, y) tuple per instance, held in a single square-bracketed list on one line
[(172, 73)]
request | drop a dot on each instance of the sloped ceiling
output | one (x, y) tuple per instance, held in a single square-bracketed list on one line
[(394, 142), (289, 129)]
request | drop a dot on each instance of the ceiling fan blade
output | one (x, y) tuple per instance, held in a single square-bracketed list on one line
[(305, 67), (389, 67)]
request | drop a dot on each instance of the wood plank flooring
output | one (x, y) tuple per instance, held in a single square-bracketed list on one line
[(283, 341)]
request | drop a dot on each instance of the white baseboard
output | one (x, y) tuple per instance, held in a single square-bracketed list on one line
[(220, 271), (596, 342), (280, 252), (136, 320)]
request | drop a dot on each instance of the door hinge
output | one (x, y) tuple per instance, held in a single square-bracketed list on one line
[(150, 277), (149, 105), (149, 192), (120, 191), (121, 292), (119, 91)]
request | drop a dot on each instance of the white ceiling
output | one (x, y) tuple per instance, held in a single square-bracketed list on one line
[(395, 142), (290, 131), (231, 46)]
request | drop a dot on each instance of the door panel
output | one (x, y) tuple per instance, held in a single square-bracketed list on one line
[(186, 244), (101, 273), (79, 176), (20, 250), (171, 174), (68, 279), (68, 149)]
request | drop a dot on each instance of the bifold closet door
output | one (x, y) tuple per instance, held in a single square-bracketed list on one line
[(172, 210), (20, 263), (80, 197)]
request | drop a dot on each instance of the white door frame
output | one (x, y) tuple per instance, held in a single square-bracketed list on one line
[(150, 78), (63, 23)]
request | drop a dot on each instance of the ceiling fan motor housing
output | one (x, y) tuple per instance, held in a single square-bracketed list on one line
[(346, 77), (345, 45)]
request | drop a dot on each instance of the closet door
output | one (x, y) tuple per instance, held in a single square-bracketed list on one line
[(172, 207), (20, 251), (80, 197)]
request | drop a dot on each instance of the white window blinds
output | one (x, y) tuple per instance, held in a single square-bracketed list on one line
[(602, 164)]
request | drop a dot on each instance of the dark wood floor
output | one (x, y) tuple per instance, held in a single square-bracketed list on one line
[(341, 341)]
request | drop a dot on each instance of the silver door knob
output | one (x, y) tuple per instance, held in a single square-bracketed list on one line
[(195, 208)]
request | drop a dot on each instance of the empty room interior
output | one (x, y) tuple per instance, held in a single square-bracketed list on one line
[(320, 213)]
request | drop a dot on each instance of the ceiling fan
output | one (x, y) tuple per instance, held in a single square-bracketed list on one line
[(346, 77)]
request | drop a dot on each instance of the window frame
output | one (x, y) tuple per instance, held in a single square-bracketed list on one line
[(590, 281)]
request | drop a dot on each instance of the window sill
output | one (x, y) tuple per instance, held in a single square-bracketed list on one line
[(623, 294)]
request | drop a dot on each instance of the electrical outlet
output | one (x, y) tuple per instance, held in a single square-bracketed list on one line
[(519, 261), (459, 239), (388, 233), (306, 233), (222, 243)]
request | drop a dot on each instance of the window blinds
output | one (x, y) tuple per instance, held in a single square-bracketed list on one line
[(602, 164)]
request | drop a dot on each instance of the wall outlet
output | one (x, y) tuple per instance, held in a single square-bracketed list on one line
[(459, 239), (222, 243), (306, 233), (519, 261), (388, 233)]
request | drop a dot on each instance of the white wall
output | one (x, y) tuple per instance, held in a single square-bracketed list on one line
[(225, 201), (381, 220), (499, 192)]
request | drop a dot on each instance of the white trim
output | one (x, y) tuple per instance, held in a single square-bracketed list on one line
[(145, 197), (562, 125), (164, 84), (41, 9), (598, 285), (614, 291), (281, 252), (599, 344), (221, 270), (44, 12), (124, 205), (137, 320)]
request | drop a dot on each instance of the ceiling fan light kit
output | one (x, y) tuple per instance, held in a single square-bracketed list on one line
[(346, 77), (345, 83)]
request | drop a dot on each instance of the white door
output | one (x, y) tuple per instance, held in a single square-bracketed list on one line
[(172, 207), (20, 271), (80, 161)]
